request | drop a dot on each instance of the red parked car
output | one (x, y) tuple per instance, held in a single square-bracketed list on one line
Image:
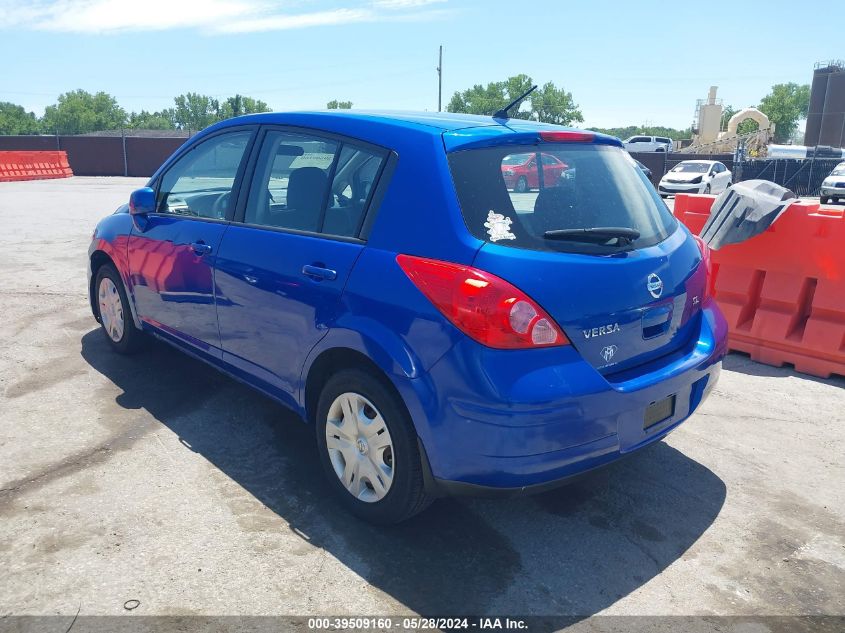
[(521, 174)]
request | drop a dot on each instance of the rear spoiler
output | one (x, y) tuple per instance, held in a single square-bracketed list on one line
[(518, 133)]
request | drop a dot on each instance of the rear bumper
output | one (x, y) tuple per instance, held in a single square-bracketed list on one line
[(517, 422)]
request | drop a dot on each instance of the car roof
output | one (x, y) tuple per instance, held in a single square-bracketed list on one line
[(376, 125)]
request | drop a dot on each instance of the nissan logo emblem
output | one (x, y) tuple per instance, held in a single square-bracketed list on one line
[(655, 285)]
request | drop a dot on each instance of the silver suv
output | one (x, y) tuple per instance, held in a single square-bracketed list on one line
[(649, 144), (833, 187)]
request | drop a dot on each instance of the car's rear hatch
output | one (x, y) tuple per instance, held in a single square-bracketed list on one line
[(623, 297)]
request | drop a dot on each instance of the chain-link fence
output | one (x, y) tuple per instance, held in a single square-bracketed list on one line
[(103, 155), (803, 176), (139, 153)]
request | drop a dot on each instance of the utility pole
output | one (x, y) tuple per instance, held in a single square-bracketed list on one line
[(440, 81)]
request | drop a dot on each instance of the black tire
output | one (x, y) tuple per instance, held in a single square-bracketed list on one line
[(824, 199), (835, 200), (407, 495), (132, 339), (521, 185), (707, 188)]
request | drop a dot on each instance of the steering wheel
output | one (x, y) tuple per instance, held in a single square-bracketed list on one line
[(221, 205)]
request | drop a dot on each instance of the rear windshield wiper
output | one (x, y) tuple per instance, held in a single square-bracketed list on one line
[(597, 234)]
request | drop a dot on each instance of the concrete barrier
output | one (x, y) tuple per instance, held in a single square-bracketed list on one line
[(783, 291), (34, 165)]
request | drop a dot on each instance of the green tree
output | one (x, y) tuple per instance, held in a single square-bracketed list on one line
[(334, 104), (554, 105), (15, 120), (646, 130), (785, 105), (194, 111), (79, 112), (548, 103), (240, 105), (143, 120)]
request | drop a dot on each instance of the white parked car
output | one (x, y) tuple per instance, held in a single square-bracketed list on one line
[(833, 187), (695, 176), (649, 144)]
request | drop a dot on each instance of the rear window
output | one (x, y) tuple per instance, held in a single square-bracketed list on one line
[(586, 187)]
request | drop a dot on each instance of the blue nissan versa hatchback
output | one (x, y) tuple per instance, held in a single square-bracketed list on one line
[(444, 334)]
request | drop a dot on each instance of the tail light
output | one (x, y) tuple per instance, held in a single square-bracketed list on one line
[(567, 136), (707, 262), (486, 308)]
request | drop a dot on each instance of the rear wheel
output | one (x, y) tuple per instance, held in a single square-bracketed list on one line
[(707, 188), (521, 185), (113, 310), (368, 448)]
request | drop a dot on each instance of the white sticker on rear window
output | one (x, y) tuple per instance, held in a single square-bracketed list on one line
[(498, 227)]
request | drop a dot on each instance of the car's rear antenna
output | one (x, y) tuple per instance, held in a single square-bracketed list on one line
[(503, 113)]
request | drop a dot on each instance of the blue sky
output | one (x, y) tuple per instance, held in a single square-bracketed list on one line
[(637, 62)]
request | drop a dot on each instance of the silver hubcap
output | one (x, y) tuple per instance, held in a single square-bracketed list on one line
[(360, 447), (111, 310)]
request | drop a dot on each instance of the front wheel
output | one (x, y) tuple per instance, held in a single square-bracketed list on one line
[(707, 188), (368, 448), (521, 185), (113, 310), (824, 199)]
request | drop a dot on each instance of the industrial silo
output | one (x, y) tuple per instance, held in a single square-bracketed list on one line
[(818, 92), (826, 114), (833, 117)]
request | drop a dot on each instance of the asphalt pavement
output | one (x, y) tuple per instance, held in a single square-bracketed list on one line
[(155, 478)]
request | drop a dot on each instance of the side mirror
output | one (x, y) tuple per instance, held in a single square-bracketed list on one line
[(142, 201)]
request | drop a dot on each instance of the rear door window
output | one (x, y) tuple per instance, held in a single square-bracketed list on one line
[(314, 184), (598, 187), (352, 188), (290, 185)]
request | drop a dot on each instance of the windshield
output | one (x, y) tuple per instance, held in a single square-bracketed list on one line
[(691, 168), (585, 187), (515, 159)]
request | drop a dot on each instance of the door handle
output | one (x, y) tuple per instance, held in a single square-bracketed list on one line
[(319, 273), (201, 248)]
